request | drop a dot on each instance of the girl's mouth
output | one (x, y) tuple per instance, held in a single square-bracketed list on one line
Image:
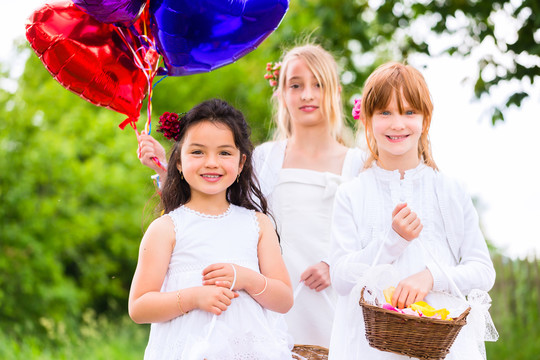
[(308, 108), (211, 177), (396, 137)]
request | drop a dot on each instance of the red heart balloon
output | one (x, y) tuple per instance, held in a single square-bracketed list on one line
[(90, 58)]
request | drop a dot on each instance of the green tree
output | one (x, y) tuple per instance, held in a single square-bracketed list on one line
[(71, 204), (368, 33)]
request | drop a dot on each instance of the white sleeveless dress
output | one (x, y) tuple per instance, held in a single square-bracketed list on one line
[(301, 201), (245, 330)]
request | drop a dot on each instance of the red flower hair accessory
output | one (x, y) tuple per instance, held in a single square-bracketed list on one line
[(272, 74), (357, 109), (170, 125)]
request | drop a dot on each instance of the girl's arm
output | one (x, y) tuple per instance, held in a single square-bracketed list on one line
[(146, 303), (349, 257), (278, 295), (272, 286), (475, 269)]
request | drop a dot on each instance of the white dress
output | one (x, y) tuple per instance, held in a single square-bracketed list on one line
[(245, 330), (301, 201), (362, 221)]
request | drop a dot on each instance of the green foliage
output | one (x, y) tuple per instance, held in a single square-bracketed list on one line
[(72, 192), (516, 309), (363, 34)]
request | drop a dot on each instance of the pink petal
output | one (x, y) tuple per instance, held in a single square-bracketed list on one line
[(408, 311), (389, 307)]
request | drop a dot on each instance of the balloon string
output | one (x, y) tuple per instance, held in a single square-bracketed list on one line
[(148, 125), (150, 92), (140, 60)]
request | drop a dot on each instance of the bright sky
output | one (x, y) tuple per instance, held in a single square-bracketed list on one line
[(499, 165)]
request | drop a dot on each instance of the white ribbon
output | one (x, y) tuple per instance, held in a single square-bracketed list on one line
[(301, 285), (332, 183), (198, 350)]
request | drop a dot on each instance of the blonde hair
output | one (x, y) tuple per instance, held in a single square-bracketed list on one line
[(324, 67), (399, 80)]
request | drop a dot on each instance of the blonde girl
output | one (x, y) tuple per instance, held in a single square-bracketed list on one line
[(299, 172), (399, 200)]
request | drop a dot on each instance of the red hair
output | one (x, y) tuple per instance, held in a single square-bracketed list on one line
[(405, 83)]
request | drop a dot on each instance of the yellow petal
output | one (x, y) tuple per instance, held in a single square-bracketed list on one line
[(428, 310), (443, 312), (388, 293), (423, 307)]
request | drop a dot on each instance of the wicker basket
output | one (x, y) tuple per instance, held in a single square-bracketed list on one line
[(418, 337), (310, 352)]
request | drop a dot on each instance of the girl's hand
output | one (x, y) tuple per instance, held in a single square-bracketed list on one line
[(317, 277), (214, 299), (148, 149), (221, 274), (405, 222), (412, 289)]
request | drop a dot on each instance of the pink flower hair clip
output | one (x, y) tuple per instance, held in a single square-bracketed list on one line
[(170, 125), (272, 74), (357, 109)]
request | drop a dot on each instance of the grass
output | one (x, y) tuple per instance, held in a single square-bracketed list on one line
[(96, 339), (516, 309)]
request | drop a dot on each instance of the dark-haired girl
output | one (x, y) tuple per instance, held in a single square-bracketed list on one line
[(211, 265)]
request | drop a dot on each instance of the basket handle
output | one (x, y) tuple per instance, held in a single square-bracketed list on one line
[(378, 255), (463, 314), (450, 280)]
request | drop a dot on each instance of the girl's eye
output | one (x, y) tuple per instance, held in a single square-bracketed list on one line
[(409, 112), (196, 152), (225, 153), (385, 112), (318, 85), (294, 86)]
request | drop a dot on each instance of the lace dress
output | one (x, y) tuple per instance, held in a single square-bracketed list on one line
[(245, 330)]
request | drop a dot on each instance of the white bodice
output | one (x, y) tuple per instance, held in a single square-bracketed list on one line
[(245, 330)]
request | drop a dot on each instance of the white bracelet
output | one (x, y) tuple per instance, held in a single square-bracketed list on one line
[(234, 277), (265, 285)]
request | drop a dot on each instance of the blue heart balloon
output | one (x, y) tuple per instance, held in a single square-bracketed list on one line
[(124, 12), (196, 36)]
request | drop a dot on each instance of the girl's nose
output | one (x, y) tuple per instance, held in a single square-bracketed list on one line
[(211, 161), (397, 122), (307, 94)]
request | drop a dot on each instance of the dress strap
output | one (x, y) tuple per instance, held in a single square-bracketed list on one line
[(268, 164)]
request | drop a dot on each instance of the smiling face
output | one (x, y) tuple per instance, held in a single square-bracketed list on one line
[(302, 95), (210, 160), (396, 113), (397, 134)]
